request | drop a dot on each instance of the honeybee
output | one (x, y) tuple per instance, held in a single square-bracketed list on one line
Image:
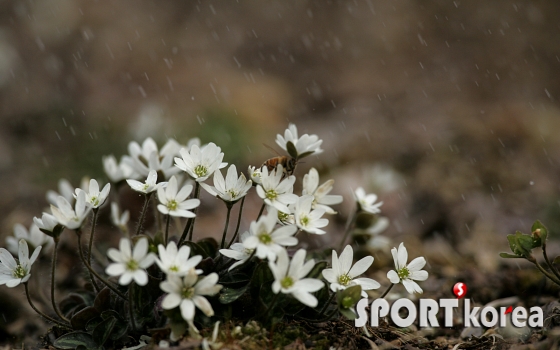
[(288, 164)]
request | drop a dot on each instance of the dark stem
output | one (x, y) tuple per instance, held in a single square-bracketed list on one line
[(90, 245), (143, 214), (546, 273), (92, 271), (190, 221), (42, 314), (349, 224), (238, 223), (271, 306), (131, 306), (53, 270), (196, 195), (229, 206), (387, 291), (261, 211), (166, 228), (552, 268), (327, 304)]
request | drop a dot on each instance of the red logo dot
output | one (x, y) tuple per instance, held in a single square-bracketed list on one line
[(460, 290)]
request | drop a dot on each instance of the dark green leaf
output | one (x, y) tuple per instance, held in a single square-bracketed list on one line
[(520, 244), (80, 319), (305, 154), (74, 339), (120, 330), (317, 270), (102, 301), (209, 245), (539, 233), (229, 295), (291, 148), (103, 330), (510, 256), (93, 323), (349, 297), (196, 249), (111, 313), (349, 314)]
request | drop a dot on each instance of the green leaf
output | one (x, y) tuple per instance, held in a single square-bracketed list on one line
[(349, 314), (305, 154), (539, 233), (209, 245), (74, 339), (196, 249), (80, 319), (93, 323), (520, 244), (229, 295), (349, 297), (291, 148), (510, 256), (104, 329), (119, 331)]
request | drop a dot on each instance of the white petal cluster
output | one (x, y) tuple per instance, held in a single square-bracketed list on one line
[(94, 198), (149, 186), (407, 274), (200, 163), (47, 223), (267, 240), (177, 262), (13, 273), (130, 264), (118, 219), (305, 145), (343, 275), (118, 171), (238, 251), (289, 277), (188, 294), (68, 216), (66, 190), (174, 202), (322, 198), (254, 174), (148, 157), (366, 202), (275, 191), (34, 237), (231, 189), (308, 219)]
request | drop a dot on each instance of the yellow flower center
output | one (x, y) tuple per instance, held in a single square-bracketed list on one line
[(287, 282), (344, 280)]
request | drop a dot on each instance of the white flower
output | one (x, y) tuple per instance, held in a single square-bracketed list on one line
[(275, 191), (33, 237), (94, 198), (174, 202), (366, 202), (287, 218), (147, 157), (130, 265), (187, 293), (65, 190), (343, 275), (47, 223), (69, 217), (254, 174), (200, 163), (289, 277), (173, 262), (267, 241), (231, 189), (309, 220), (118, 171), (119, 220), (238, 251), (407, 273), (305, 145), (322, 198), (149, 186), (13, 273)]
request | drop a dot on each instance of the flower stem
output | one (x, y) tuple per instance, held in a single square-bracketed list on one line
[(552, 268), (166, 228), (131, 306), (92, 271), (90, 245), (63, 325), (546, 273), (53, 270), (271, 306), (143, 214), (229, 206), (238, 223), (190, 221), (349, 224), (327, 304), (387, 290), (261, 211), (196, 195)]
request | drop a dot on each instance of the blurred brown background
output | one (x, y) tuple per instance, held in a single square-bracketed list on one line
[(447, 109)]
